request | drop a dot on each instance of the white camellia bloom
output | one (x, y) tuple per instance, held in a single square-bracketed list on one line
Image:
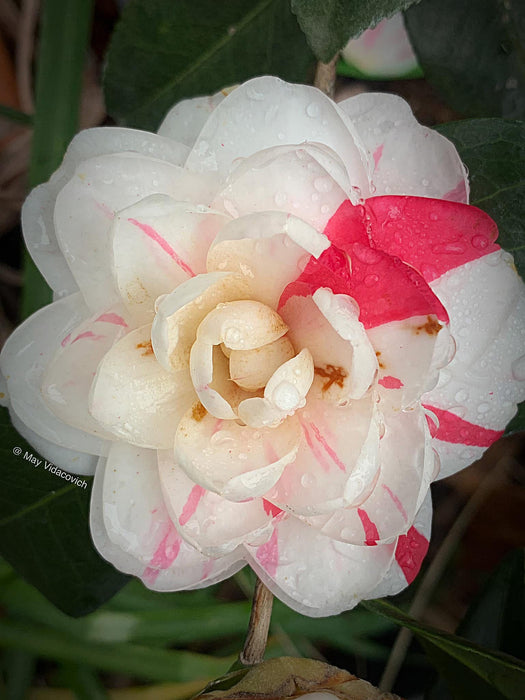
[(275, 323)]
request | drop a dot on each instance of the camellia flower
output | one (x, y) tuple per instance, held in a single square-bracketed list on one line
[(276, 322)]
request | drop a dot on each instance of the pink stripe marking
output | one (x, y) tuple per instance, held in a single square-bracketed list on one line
[(410, 552), (108, 213), (454, 429), (268, 554), (155, 236), (66, 340), (458, 194), (191, 504), (371, 532), (88, 334), (397, 502), (115, 319), (329, 450), (271, 508), (207, 569), (165, 554), (319, 456), (377, 154), (390, 382)]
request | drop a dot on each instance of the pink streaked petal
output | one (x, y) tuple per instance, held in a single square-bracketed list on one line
[(155, 236), (454, 429), (458, 193), (431, 235), (196, 493), (113, 318), (370, 528), (378, 152), (389, 382), (88, 335), (268, 554), (165, 554), (411, 549)]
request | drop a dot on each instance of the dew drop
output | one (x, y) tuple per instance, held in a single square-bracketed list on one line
[(371, 280), (483, 408), (366, 254), (461, 395), (433, 216), (280, 198), (315, 197), (280, 136), (307, 480), (479, 241), (325, 209), (232, 335), (313, 110), (323, 184), (425, 182), (242, 456)]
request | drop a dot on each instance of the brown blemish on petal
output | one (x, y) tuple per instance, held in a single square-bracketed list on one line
[(431, 327), (334, 375), (148, 347), (378, 355), (198, 411)]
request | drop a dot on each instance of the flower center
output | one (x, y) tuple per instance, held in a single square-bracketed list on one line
[(244, 367)]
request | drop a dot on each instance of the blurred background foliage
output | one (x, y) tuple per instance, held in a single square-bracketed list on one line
[(70, 625)]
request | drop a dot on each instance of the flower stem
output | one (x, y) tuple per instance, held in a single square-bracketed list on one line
[(255, 644), (325, 76)]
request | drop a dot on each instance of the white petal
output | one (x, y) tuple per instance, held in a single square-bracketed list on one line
[(235, 461), (212, 524), (337, 461), (179, 314), (315, 575), (26, 354), (69, 460), (159, 243), (203, 372), (241, 325), (289, 179), (185, 120), (482, 385), (416, 542), (251, 369), (86, 205), (284, 393), (37, 212), (123, 533), (134, 398), (67, 379), (266, 112), (409, 158)]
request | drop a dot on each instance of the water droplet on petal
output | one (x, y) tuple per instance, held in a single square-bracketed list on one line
[(280, 198), (461, 395), (313, 110), (479, 241), (323, 184), (483, 408), (370, 280)]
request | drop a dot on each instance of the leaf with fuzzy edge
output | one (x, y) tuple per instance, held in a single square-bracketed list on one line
[(330, 24)]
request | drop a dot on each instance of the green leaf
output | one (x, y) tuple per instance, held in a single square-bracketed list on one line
[(63, 41), (16, 116), (44, 530), (503, 673), (496, 619), (472, 52), (517, 424), (494, 152), (330, 24), (197, 47)]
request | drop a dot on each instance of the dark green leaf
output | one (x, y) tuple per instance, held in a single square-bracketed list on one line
[(44, 530), (496, 619), (517, 424), (330, 24), (63, 40), (15, 115), (19, 669), (472, 52), (494, 152), (503, 673), (197, 47)]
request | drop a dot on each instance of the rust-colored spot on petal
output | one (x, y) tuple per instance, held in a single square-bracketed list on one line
[(381, 364), (431, 327), (198, 411), (333, 375), (148, 348)]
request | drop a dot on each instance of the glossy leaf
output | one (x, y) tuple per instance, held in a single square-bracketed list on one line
[(197, 47), (44, 530), (330, 24), (472, 52), (505, 674)]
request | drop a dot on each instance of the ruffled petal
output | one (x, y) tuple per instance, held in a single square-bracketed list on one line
[(308, 179), (212, 524), (431, 235), (69, 460), (134, 398), (26, 354), (185, 120), (408, 158), (266, 112), (86, 205), (67, 379), (158, 244), (407, 465), (410, 551), (37, 212), (337, 461), (235, 461), (180, 313), (131, 528), (478, 391), (315, 575)]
